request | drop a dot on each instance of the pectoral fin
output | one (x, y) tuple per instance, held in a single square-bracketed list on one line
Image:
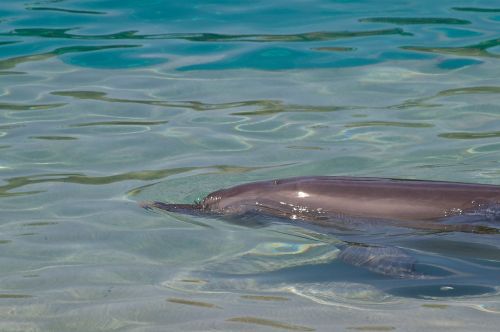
[(390, 261)]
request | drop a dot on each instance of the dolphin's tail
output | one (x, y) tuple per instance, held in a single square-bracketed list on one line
[(178, 208)]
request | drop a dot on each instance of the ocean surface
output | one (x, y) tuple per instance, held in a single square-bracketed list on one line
[(107, 103)]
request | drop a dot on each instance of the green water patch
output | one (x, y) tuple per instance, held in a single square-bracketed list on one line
[(480, 49), (10, 63), (68, 11), (414, 20), (2, 43), (469, 90), (334, 49), (29, 107), (281, 58), (276, 107), (207, 37), (54, 138), (194, 281), (114, 59), (477, 9), (302, 147), (269, 323), (12, 126), (300, 37), (5, 241), (415, 103), (92, 95), (404, 55), (260, 107), (14, 61), (389, 124), (470, 135), (6, 73), (40, 223), (457, 63), (64, 33), (14, 296), (458, 33), (423, 102), (265, 298), (193, 105), (120, 123), (193, 303), (379, 328)]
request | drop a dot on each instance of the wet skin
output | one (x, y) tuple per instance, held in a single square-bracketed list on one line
[(331, 201)]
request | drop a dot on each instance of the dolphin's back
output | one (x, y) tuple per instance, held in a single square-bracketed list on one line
[(379, 198)]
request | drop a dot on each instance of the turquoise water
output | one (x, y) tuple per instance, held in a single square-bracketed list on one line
[(107, 103)]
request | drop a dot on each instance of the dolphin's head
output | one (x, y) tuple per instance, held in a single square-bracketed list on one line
[(232, 201), (237, 200)]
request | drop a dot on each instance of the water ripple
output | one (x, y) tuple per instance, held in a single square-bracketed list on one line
[(263, 107), (423, 102), (2, 43), (68, 11), (120, 123), (470, 135), (480, 49), (388, 124), (270, 323), (334, 49), (415, 20), (208, 37), (54, 138), (14, 61), (194, 105), (28, 107), (477, 9)]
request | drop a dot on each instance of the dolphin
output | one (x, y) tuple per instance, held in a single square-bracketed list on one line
[(350, 202), (327, 200)]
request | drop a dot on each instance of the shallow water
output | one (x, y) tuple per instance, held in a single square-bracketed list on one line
[(107, 103)]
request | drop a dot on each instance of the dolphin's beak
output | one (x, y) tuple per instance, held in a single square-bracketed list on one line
[(178, 208)]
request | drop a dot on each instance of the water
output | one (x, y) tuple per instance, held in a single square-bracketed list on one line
[(107, 103)]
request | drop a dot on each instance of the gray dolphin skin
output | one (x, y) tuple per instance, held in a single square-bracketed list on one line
[(329, 201), (348, 203)]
